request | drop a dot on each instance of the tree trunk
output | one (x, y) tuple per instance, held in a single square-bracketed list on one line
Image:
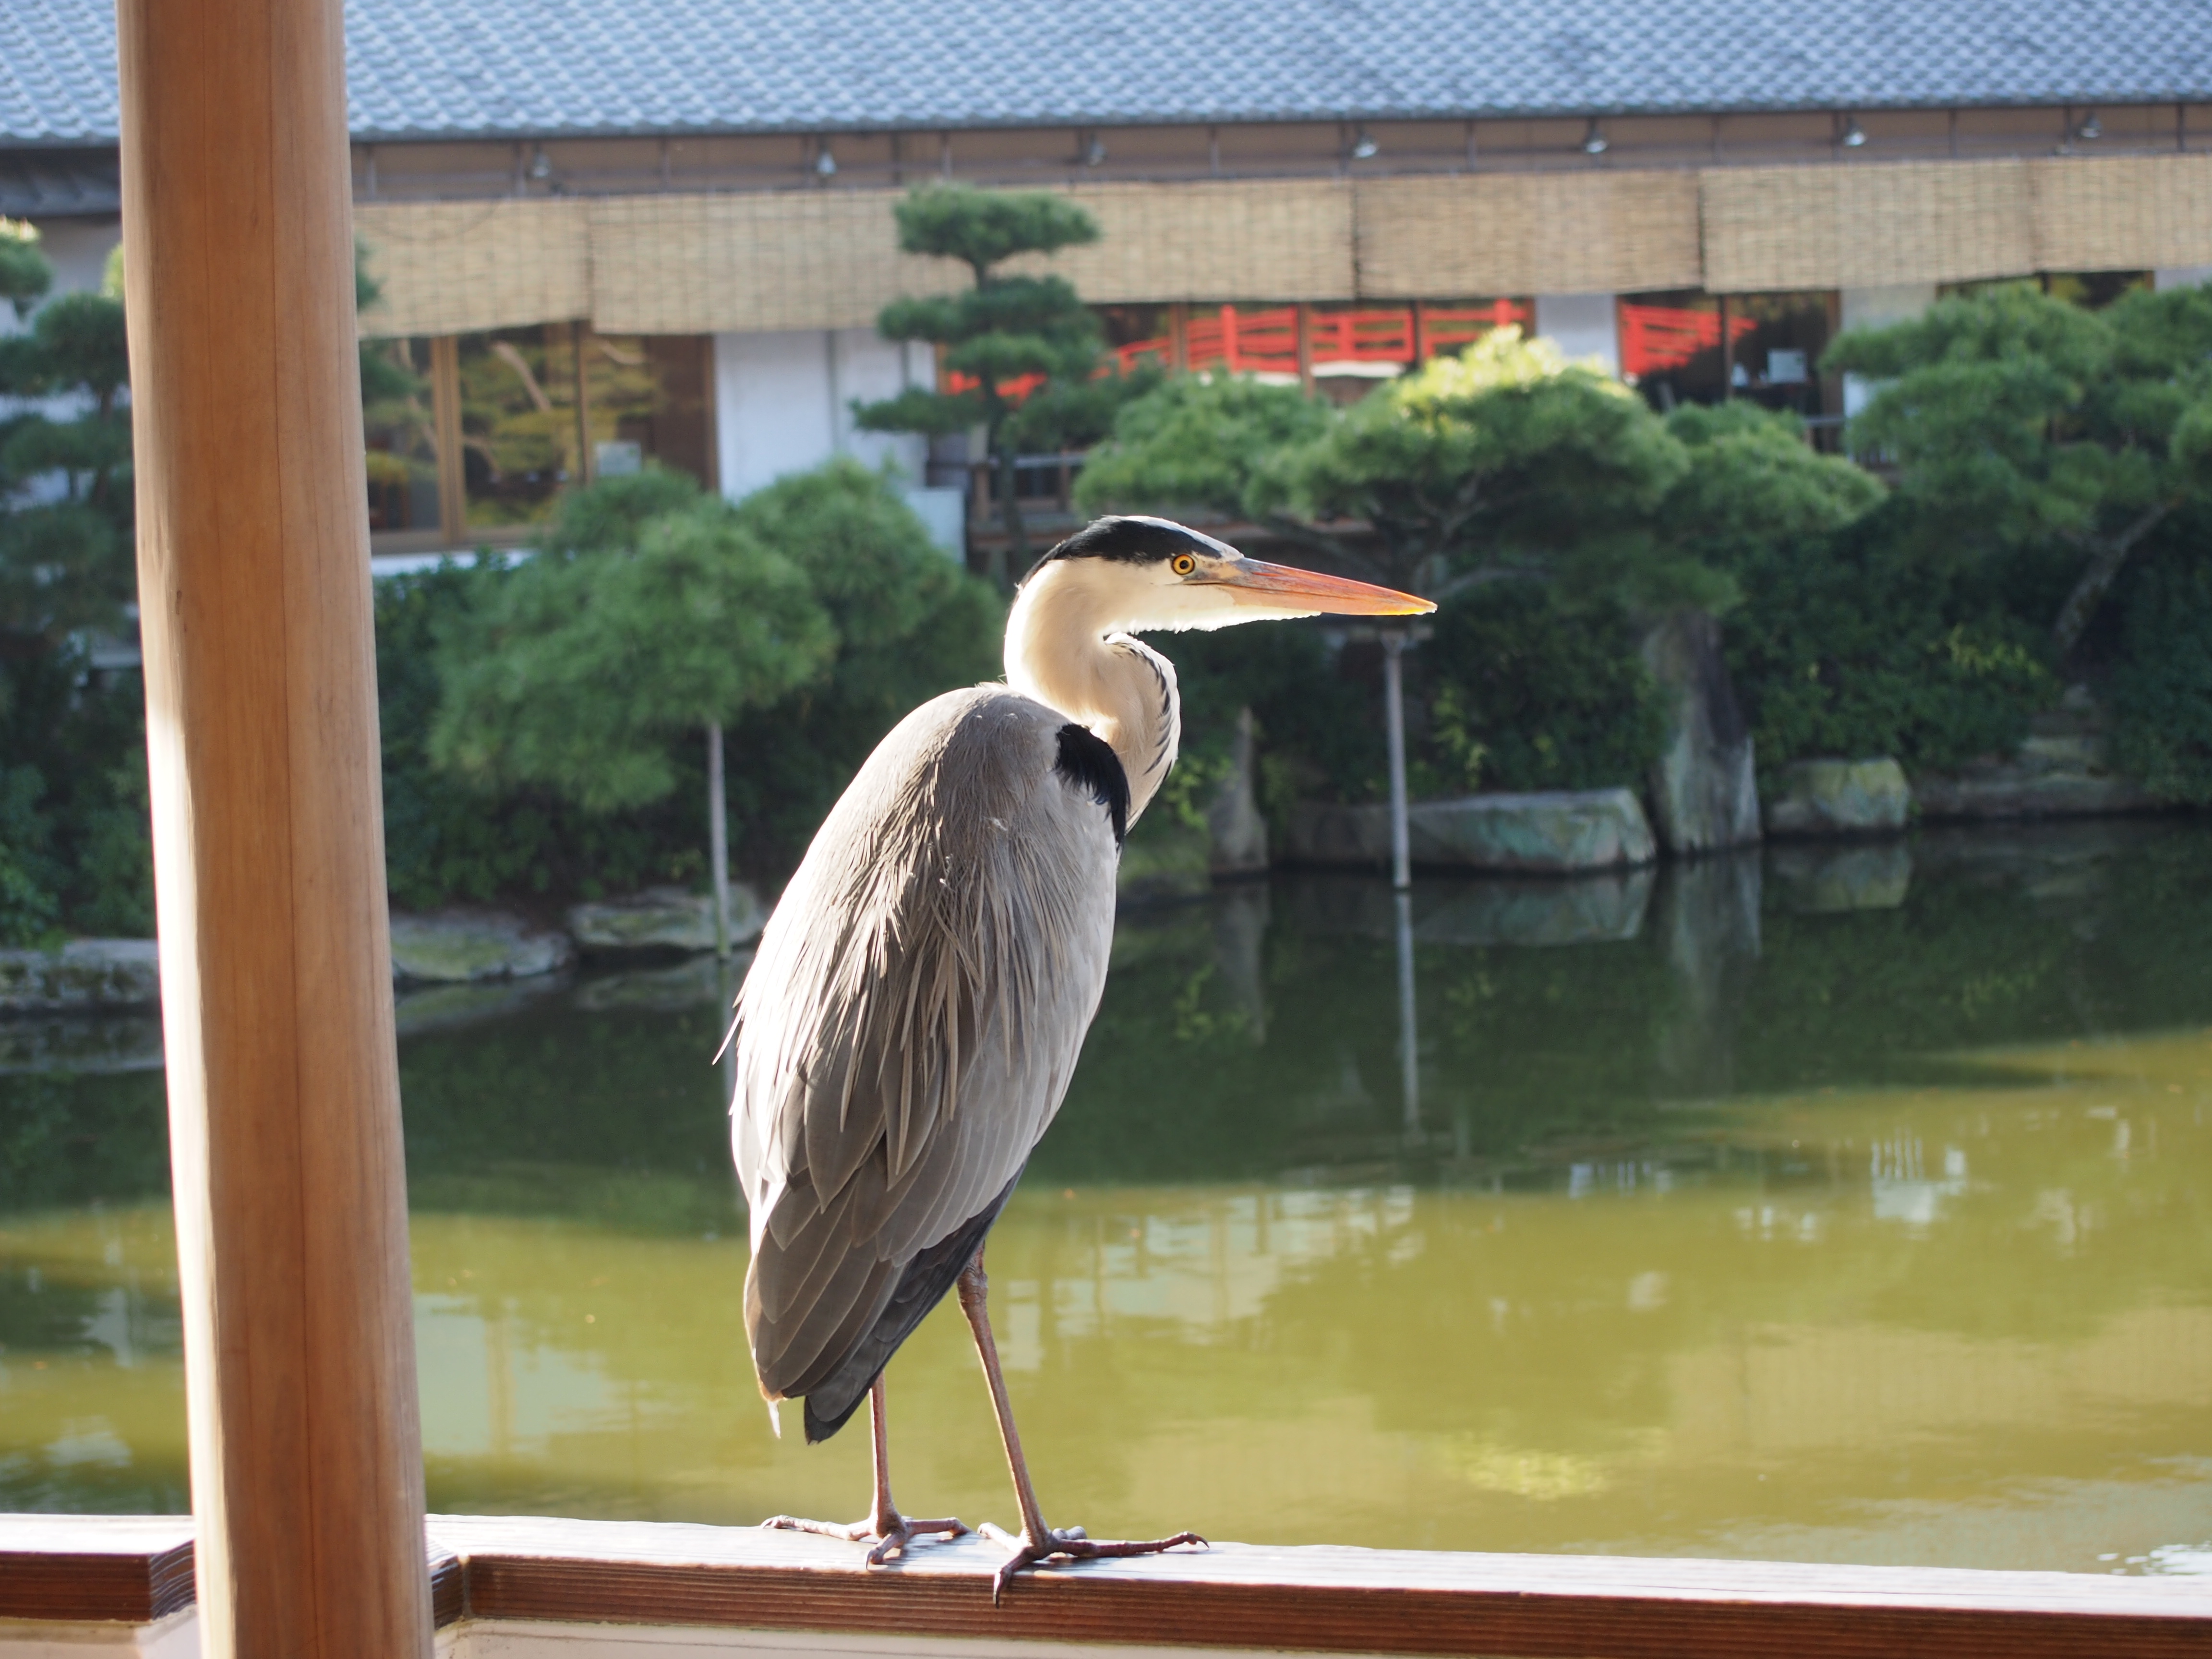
[(1017, 551), (718, 837)]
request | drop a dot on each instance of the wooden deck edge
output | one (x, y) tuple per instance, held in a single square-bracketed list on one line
[(1346, 1601), (133, 1569)]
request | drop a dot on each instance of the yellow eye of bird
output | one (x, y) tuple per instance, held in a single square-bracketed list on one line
[(1183, 565)]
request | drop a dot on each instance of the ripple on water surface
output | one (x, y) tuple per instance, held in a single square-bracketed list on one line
[(1767, 1208)]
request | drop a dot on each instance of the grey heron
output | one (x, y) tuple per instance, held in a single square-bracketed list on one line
[(917, 1003)]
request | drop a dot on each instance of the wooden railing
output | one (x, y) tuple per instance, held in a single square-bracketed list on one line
[(522, 1586), (1654, 337), (1265, 340)]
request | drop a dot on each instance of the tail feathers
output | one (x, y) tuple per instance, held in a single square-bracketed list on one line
[(921, 1286)]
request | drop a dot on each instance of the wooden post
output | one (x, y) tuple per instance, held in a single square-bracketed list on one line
[(1305, 349), (261, 738), (446, 421), (1179, 338)]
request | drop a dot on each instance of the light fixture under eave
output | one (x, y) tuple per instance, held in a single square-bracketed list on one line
[(824, 162), (2090, 127), (1364, 147), (1094, 153), (1595, 142), (1854, 134)]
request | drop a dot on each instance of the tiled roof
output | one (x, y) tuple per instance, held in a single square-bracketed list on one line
[(425, 68)]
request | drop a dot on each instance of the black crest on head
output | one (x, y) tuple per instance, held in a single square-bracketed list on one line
[(1135, 541)]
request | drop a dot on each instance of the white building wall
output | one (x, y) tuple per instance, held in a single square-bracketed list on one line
[(783, 402), (1583, 325), (1878, 308), (2180, 276)]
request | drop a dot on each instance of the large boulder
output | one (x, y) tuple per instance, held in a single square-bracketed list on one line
[(459, 946), (1704, 789), (664, 918), (1555, 833), (1840, 798), (2063, 769), (84, 974)]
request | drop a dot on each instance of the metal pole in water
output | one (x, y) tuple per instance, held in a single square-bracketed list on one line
[(1409, 1050), (1394, 699), (718, 837)]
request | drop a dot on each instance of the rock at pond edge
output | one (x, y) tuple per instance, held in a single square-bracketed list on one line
[(460, 946), (664, 918), (1840, 798), (1554, 833)]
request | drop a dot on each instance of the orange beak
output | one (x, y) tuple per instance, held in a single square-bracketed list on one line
[(1284, 587)]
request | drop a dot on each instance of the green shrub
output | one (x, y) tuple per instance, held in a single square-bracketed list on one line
[(1529, 692), (2162, 688), (1847, 645)]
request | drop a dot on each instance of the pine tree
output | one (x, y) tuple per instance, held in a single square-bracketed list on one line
[(65, 500), (1027, 345)]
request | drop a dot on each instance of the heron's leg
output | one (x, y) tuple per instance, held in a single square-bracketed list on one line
[(892, 1531), (1038, 1542)]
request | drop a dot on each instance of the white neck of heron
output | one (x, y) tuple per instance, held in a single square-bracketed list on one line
[(1065, 648)]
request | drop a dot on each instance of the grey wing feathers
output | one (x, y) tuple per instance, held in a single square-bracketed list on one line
[(912, 1017)]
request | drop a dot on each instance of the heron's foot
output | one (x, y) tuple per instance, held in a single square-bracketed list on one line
[(1072, 1545), (891, 1534)]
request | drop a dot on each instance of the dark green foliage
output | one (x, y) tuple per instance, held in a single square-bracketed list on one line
[(65, 547), (446, 840), (1196, 444), (2162, 688), (891, 620), (1530, 693), (577, 670), (911, 623), (1849, 645), (2020, 421), (76, 855)]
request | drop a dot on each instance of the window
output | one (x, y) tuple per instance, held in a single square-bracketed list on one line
[(473, 439)]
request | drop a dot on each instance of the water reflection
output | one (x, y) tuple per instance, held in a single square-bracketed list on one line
[(1674, 1215)]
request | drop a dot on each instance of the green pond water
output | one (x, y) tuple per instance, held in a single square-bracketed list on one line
[(1851, 1205)]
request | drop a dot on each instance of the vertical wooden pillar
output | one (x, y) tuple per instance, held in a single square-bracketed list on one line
[(446, 419), (268, 831), (1305, 349), (1179, 338)]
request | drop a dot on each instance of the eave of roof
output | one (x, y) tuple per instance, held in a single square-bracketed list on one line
[(427, 70)]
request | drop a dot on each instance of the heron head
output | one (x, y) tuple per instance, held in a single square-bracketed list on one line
[(1141, 573)]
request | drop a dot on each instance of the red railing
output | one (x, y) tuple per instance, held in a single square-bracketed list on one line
[(1266, 341), (1664, 336)]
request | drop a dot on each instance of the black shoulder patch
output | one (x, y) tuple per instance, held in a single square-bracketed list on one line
[(1087, 762)]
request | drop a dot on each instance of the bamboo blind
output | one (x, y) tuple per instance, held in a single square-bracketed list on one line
[(1218, 239), (696, 264), (1527, 233), (450, 267), (1865, 225), (2122, 212)]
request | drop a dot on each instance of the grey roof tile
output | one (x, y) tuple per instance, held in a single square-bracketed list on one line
[(424, 69)]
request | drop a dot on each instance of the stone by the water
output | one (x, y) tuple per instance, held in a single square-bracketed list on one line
[(1554, 833), (83, 973), (1840, 798), (1704, 789), (459, 946), (664, 918)]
